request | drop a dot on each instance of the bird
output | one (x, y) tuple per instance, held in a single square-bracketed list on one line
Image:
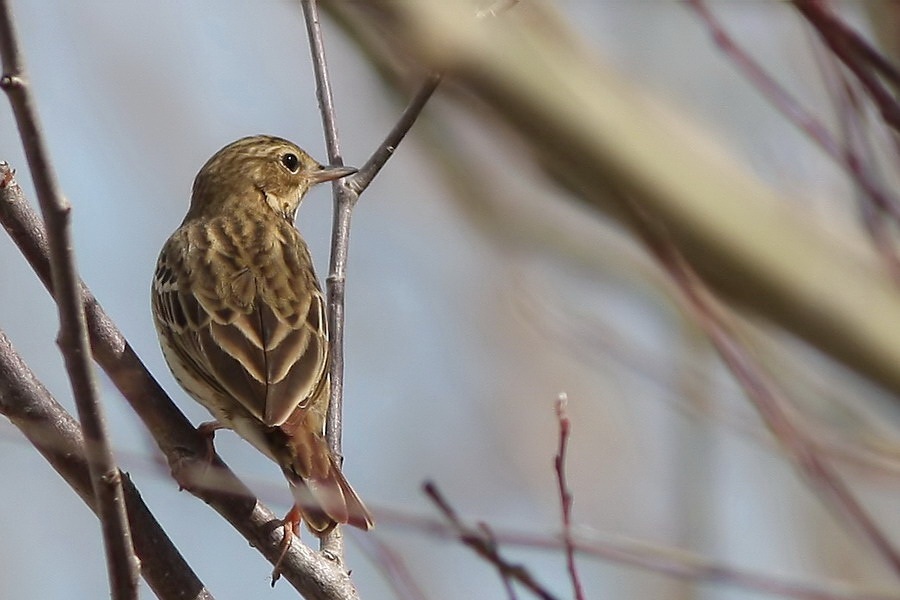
[(242, 323)]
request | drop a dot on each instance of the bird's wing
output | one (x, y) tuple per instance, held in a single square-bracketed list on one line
[(252, 324)]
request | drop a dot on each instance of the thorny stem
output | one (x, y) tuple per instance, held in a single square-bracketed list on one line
[(122, 565)]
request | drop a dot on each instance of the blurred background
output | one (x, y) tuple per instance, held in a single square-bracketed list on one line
[(467, 314)]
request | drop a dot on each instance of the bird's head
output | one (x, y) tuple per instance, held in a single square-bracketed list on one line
[(265, 169)]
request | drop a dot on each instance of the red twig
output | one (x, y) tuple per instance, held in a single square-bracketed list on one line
[(795, 112), (565, 496), (857, 54)]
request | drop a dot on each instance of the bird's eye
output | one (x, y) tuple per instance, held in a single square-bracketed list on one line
[(291, 162)]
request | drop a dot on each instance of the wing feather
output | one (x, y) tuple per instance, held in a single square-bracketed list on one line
[(250, 321)]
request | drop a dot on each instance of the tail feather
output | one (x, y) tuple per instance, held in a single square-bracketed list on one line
[(322, 494)]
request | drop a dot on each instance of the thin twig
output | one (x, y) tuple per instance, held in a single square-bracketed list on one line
[(186, 451), (121, 563), (483, 546), (57, 436), (762, 392), (361, 180), (829, 24), (346, 194), (565, 496), (795, 112), (340, 241)]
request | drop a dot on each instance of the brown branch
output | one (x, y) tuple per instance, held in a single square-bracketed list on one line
[(485, 546), (121, 563), (57, 436), (565, 496), (311, 574), (491, 539)]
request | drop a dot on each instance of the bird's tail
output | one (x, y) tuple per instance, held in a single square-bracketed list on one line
[(322, 494)]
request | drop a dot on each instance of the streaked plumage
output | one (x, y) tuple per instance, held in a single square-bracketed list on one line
[(241, 318)]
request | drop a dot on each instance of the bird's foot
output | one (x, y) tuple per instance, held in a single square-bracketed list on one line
[(291, 526)]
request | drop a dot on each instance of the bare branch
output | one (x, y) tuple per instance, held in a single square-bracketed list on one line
[(485, 546), (57, 436), (73, 340), (361, 180), (311, 574), (565, 496), (344, 201), (346, 195)]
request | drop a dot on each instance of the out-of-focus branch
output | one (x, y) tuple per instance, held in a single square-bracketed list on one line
[(57, 436), (663, 560), (762, 392), (787, 105), (392, 566), (312, 575), (860, 57), (121, 563), (605, 141)]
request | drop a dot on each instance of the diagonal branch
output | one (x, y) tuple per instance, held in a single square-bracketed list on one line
[(122, 565), (858, 55), (361, 180), (57, 436)]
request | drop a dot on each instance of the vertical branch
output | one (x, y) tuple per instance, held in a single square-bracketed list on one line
[(344, 201), (73, 339)]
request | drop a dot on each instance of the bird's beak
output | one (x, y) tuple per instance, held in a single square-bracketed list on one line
[(330, 173)]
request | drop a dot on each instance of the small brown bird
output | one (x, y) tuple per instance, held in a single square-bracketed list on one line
[(241, 319)]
